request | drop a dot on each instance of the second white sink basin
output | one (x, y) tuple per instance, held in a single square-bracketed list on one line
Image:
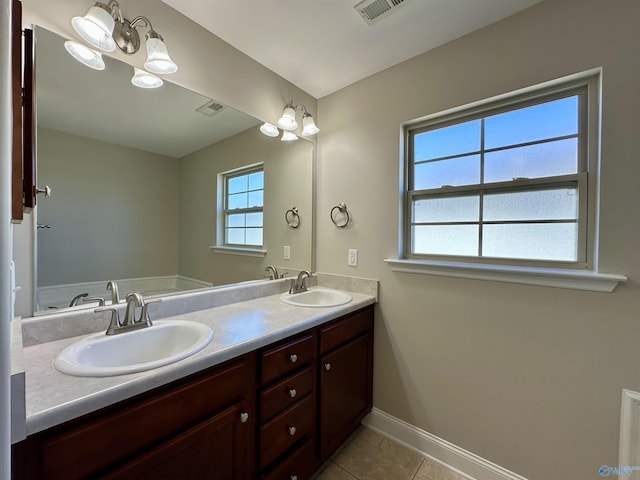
[(317, 297), (165, 342)]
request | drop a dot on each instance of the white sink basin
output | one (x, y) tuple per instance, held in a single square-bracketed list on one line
[(165, 342), (317, 297)]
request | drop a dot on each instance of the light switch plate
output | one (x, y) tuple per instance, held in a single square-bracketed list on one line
[(287, 252), (352, 259)]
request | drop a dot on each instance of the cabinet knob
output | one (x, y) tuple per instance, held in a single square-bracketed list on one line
[(244, 417), (292, 431), (293, 393), (327, 366), (293, 357)]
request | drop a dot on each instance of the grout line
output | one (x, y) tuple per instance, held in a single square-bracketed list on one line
[(419, 467)]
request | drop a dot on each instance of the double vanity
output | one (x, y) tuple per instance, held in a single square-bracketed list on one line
[(270, 386)]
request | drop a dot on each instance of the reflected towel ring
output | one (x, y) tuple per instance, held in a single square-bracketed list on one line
[(292, 217), (342, 208)]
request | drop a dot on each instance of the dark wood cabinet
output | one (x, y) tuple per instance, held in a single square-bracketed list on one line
[(273, 414), (346, 377), (215, 448), (212, 412)]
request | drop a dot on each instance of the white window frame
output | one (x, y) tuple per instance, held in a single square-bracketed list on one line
[(582, 274), (223, 211)]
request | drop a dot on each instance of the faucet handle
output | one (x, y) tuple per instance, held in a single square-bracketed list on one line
[(144, 315), (115, 319)]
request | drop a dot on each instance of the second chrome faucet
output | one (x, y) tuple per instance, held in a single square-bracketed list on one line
[(129, 322)]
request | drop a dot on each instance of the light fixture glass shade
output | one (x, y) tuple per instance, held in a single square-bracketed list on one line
[(269, 130), (85, 55), (288, 119), (96, 27), (158, 60), (308, 126), (144, 79), (288, 137)]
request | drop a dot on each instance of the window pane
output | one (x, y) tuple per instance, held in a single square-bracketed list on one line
[(538, 122), (256, 199), (556, 241), (547, 204), (235, 236), (455, 171), (445, 239), (238, 184), (238, 200), (254, 219), (256, 181), (445, 142), (254, 236), (236, 220), (535, 161), (447, 209)]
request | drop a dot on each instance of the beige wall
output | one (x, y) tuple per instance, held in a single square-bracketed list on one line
[(288, 181), (528, 377), (113, 214)]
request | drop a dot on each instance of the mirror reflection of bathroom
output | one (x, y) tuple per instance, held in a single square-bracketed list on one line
[(136, 178)]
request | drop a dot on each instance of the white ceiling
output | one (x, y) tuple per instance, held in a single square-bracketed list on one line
[(323, 45)]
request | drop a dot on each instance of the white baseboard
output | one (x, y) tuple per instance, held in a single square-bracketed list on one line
[(465, 463)]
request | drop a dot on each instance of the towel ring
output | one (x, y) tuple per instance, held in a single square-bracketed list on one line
[(292, 217), (342, 208)]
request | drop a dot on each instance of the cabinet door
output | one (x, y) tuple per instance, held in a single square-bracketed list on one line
[(217, 448), (345, 391)]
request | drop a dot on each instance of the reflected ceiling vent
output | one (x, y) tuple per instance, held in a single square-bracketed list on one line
[(372, 11), (210, 108)]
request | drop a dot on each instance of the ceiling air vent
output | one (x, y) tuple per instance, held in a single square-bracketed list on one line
[(372, 11), (210, 108)]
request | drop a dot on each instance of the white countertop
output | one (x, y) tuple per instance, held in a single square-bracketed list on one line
[(53, 398)]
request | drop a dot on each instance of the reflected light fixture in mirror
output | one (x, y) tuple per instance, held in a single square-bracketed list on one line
[(288, 123), (144, 79), (105, 27), (85, 55)]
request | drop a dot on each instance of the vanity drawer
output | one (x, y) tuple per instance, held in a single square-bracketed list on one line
[(284, 430), (286, 358), (285, 393), (342, 331), (300, 465)]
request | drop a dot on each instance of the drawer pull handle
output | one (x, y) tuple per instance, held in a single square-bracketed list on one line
[(244, 417), (293, 393), (293, 357), (327, 366), (292, 431)]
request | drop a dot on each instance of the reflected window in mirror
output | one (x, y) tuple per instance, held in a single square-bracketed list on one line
[(243, 206)]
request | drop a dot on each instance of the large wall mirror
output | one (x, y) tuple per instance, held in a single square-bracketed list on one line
[(135, 176)]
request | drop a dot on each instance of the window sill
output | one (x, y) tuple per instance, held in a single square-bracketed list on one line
[(243, 251), (547, 277)]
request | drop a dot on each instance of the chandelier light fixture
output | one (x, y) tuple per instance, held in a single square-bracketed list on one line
[(105, 28), (288, 123)]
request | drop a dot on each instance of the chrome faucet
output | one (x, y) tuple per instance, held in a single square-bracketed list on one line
[(298, 285), (115, 296), (77, 298), (133, 300), (130, 322), (272, 272)]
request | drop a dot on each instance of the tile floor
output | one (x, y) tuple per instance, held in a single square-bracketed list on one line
[(367, 455)]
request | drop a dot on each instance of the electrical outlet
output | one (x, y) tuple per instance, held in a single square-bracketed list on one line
[(352, 259), (287, 252)]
